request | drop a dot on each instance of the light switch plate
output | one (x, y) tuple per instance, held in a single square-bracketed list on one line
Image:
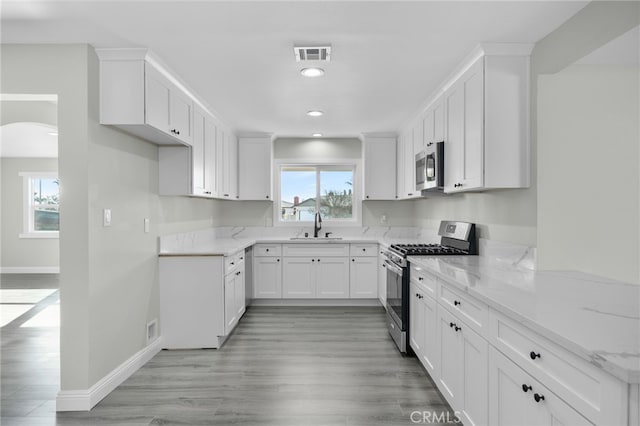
[(106, 217), (146, 225)]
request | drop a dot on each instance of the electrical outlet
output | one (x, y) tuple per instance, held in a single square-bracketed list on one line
[(152, 331), (106, 217), (383, 219)]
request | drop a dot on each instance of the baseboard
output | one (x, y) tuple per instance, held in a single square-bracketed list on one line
[(315, 302), (30, 270), (86, 399)]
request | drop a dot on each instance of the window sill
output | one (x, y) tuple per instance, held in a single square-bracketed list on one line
[(39, 235)]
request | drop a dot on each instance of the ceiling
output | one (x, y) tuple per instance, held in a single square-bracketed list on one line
[(28, 140), (387, 56)]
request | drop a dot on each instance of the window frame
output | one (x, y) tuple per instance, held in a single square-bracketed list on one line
[(356, 194), (28, 225)]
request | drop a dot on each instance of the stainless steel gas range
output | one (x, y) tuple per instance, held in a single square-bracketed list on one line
[(457, 239)]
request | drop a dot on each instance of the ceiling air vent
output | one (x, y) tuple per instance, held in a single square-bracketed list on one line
[(312, 53)]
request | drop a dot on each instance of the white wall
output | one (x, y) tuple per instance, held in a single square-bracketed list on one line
[(589, 183), (581, 132), (108, 280), (23, 253)]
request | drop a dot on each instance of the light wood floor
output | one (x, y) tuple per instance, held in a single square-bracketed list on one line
[(282, 366)]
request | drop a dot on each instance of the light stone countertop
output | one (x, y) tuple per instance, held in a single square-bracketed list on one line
[(593, 317), (227, 241)]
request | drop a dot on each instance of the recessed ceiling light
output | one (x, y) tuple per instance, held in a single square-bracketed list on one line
[(314, 113), (312, 72), (316, 135)]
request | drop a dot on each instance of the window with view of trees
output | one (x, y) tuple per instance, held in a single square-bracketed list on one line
[(305, 190), (41, 203)]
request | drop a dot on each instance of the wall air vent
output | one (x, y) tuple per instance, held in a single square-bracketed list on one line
[(312, 53)]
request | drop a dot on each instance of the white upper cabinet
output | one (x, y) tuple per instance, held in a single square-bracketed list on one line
[(379, 155), (400, 165), (227, 163), (143, 98), (482, 114), (254, 168)]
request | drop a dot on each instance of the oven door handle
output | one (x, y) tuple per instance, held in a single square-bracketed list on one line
[(392, 266)]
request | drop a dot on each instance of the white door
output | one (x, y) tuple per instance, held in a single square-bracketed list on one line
[(239, 293), (267, 278), (180, 111), (363, 278), (450, 357), (210, 153), (438, 121), (233, 166), (298, 278), (454, 142), (379, 178), (400, 166), (157, 89), (474, 372), (473, 126), (416, 320), (409, 166), (198, 154), (428, 123), (332, 277), (430, 343), (230, 312), (254, 168)]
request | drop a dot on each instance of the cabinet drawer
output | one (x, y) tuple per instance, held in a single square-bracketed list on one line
[(231, 263), (470, 310), (267, 250), (319, 250), (593, 392), (363, 250), (424, 279)]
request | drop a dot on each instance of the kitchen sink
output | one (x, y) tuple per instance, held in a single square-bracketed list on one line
[(316, 239)]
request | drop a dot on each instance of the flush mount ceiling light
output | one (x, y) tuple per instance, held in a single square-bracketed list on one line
[(314, 113), (312, 72), (316, 135), (52, 133)]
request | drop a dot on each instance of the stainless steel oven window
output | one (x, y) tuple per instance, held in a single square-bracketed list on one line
[(394, 291)]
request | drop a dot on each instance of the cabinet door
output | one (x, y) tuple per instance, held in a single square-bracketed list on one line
[(239, 293), (382, 281), (438, 121), (409, 166), (222, 161), (418, 136), (450, 380), (513, 402), (473, 81), (474, 374), (454, 143), (157, 92), (254, 168), (180, 113), (198, 154), (233, 166), (428, 123), (379, 168), (210, 153), (363, 280), (298, 278), (267, 278), (400, 166), (230, 312), (416, 320), (332, 277), (430, 337)]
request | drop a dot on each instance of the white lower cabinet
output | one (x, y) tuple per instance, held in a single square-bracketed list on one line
[(464, 367), (332, 278), (364, 277), (423, 329), (267, 277), (315, 278), (519, 399), (382, 280), (298, 278), (201, 299)]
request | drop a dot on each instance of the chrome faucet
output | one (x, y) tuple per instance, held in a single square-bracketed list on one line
[(317, 224)]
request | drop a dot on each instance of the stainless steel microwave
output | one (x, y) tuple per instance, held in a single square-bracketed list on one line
[(430, 167)]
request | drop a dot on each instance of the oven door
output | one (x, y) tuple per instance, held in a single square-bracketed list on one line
[(394, 292)]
